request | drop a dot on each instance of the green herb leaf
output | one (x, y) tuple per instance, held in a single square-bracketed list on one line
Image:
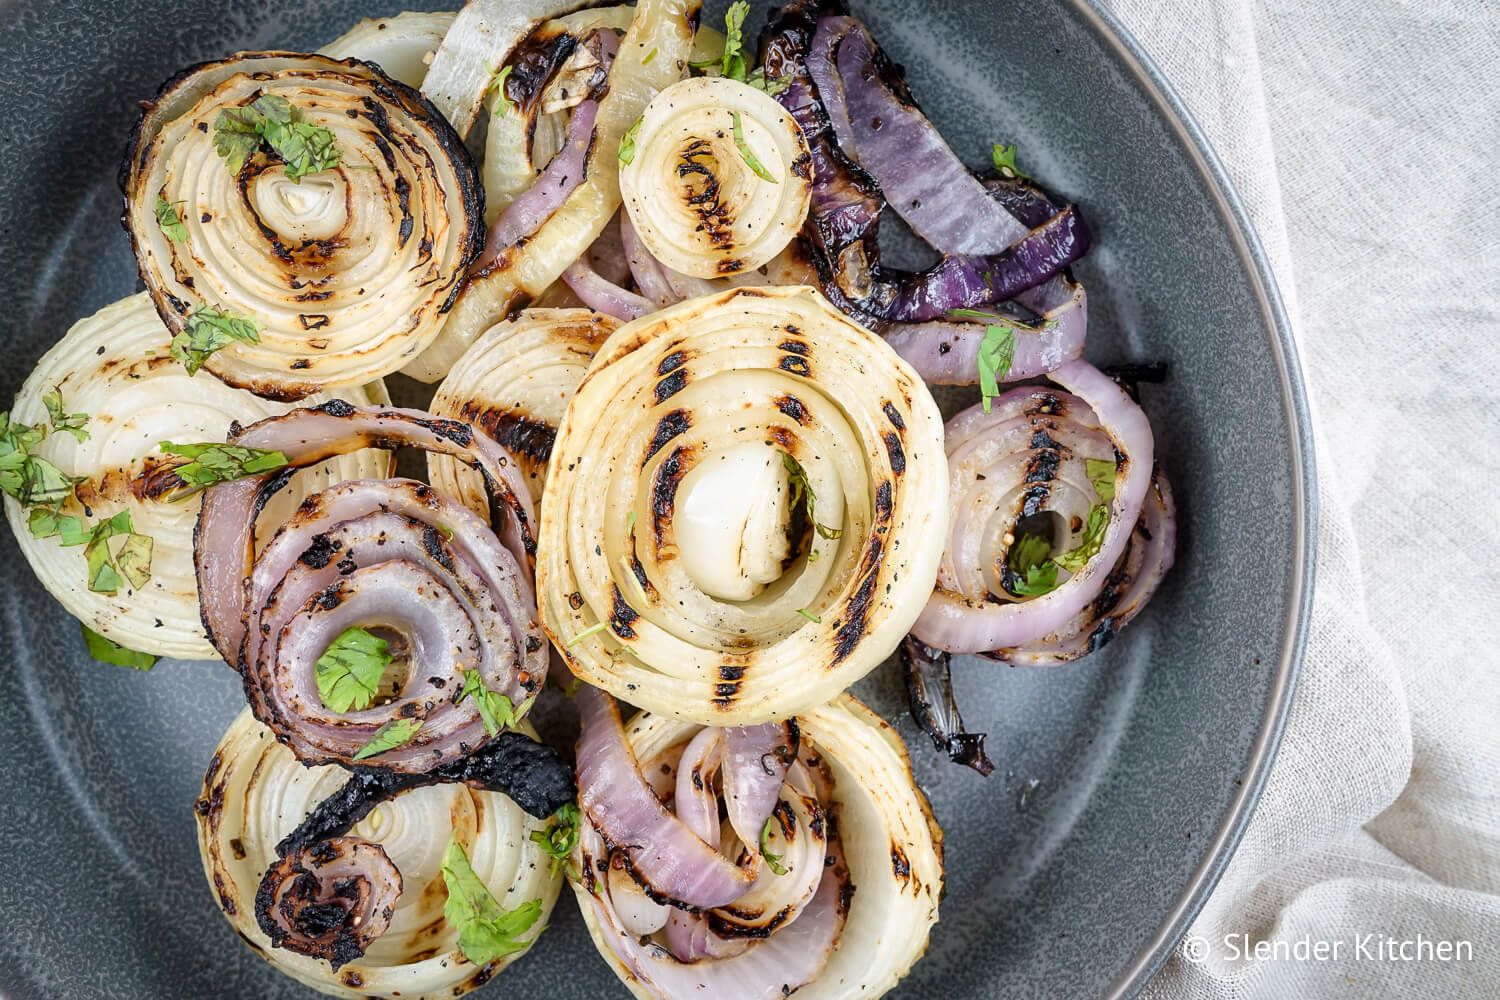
[(650, 56), (349, 671), (486, 931), (594, 629), (810, 616), (560, 837), (218, 463), (630, 523), (32, 480), (396, 733), (108, 651), (303, 147), (1028, 551), (1004, 158), (771, 86), (1040, 579), (744, 148), (802, 491), (1101, 472), (1028, 558), (496, 710), (45, 522), (627, 143), (996, 353), (772, 860), (134, 559), (61, 421), (503, 103), (104, 566), (1093, 539), (209, 330), (170, 222), (733, 64)]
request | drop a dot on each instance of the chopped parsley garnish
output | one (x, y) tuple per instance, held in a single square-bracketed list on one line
[(61, 421), (996, 353), (209, 330), (744, 148), (496, 710), (1029, 560), (502, 103), (212, 463), (349, 671), (396, 733), (733, 63), (486, 931), (1101, 472), (802, 491), (816, 620), (594, 629), (560, 837), (1004, 158), (1093, 539), (650, 57), (772, 860), (771, 86), (31, 479), (170, 222), (108, 651), (271, 120), (106, 565), (627, 143)]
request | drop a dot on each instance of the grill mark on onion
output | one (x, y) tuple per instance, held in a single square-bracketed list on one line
[(516, 431), (670, 426), (792, 407), (622, 615), (671, 385), (852, 630), (897, 453), (796, 365)]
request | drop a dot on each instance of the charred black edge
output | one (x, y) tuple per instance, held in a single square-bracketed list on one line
[(1129, 377), (923, 666), (471, 187)]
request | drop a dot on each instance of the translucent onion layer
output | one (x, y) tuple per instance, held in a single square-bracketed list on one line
[(849, 817), (256, 792), (720, 179), (678, 566), (514, 384), (114, 367), (347, 273), (403, 46)]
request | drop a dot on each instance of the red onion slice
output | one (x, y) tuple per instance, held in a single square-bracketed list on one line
[(756, 759), (963, 620), (224, 540), (329, 901)]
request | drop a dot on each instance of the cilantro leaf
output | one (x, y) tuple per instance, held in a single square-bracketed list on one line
[(485, 930), (349, 671), (772, 860), (61, 421), (1004, 158), (802, 491), (45, 522), (627, 143), (1101, 472), (219, 463), (503, 103), (396, 733), (134, 559), (1093, 539), (733, 63), (170, 222), (559, 839), (996, 353), (496, 710), (1040, 579), (106, 567), (108, 651), (744, 148), (29, 478), (303, 147), (209, 330), (1028, 559)]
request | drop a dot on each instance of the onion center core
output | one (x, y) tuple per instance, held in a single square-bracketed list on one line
[(316, 208), (733, 520)]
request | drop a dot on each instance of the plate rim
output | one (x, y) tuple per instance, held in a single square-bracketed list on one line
[(1302, 570)]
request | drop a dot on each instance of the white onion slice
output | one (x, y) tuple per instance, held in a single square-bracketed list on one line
[(348, 272), (720, 180), (256, 792), (514, 384), (114, 367), (851, 765), (781, 370), (403, 45)]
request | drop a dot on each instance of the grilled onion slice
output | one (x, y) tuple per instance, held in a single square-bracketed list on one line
[(720, 179), (256, 793), (848, 818), (403, 46), (346, 272), (514, 384), (680, 563), (113, 367)]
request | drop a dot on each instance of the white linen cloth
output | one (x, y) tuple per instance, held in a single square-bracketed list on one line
[(1364, 138)]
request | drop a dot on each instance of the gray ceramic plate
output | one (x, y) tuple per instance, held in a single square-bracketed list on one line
[(1123, 782)]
